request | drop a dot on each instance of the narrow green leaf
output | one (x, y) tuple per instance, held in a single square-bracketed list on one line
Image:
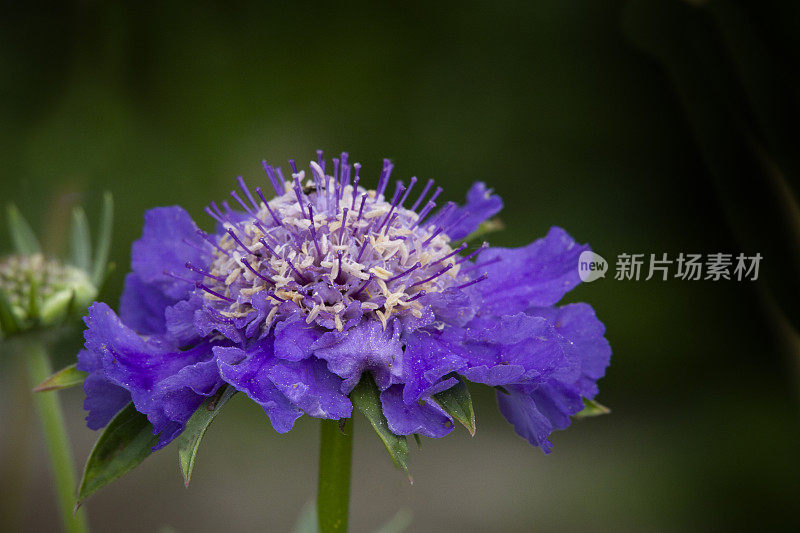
[(458, 403), (23, 237), (592, 408), (126, 441), (80, 244), (103, 247), (189, 440), (366, 398), (418, 441), (63, 379), (8, 320)]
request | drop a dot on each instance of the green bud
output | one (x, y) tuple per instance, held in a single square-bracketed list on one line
[(38, 292), (42, 292)]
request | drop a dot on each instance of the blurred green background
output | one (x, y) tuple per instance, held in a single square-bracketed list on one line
[(640, 127)]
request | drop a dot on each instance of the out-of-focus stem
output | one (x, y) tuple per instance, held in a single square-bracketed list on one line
[(56, 439)]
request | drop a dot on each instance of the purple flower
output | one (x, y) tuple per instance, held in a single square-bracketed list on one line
[(292, 300)]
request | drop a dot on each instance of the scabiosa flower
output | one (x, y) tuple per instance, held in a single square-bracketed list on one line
[(294, 300)]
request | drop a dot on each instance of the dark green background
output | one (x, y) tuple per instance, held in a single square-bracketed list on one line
[(640, 127)]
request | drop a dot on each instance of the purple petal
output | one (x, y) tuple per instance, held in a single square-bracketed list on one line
[(517, 348), (580, 326), (456, 307), (364, 347), (425, 418), (520, 410), (429, 357), (165, 384), (248, 372), (481, 205), (294, 337), (180, 321), (142, 306), (103, 400), (162, 247), (536, 275), (537, 411), (309, 385)]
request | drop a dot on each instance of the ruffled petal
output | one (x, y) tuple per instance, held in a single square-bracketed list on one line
[(309, 385), (163, 247), (580, 326), (535, 275), (294, 337), (165, 384), (452, 306), (364, 347), (513, 349), (248, 371), (423, 417), (103, 400), (429, 357), (180, 320), (536, 411), (142, 306), (481, 205)]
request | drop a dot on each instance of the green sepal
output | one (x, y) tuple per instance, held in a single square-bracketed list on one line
[(8, 320), (126, 441), (100, 269), (592, 408), (366, 398), (80, 244), (457, 402), (63, 379), (189, 440), (34, 308), (418, 441), (22, 235)]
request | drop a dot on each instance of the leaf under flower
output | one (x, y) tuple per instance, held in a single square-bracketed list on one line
[(189, 441), (457, 402), (366, 398), (63, 379), (124, 444), (592, 408)]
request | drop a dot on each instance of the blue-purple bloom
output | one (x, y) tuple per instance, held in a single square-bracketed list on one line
[(291, 300)]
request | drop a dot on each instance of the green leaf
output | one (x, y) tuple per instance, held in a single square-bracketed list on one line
[(127, 441), (366, 398), (23, 237), (103, 247), (80, 244), (592, 408), (457, 402), (189, 440), (8, 320), (63, 379)]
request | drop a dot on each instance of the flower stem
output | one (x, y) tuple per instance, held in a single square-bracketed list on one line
[(335, 456), (55, 433)]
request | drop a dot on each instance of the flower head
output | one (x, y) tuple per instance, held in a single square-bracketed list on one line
[(40, 292), (295, 299)]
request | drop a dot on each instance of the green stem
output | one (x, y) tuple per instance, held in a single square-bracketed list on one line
[(335, 456), (55, 433)]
